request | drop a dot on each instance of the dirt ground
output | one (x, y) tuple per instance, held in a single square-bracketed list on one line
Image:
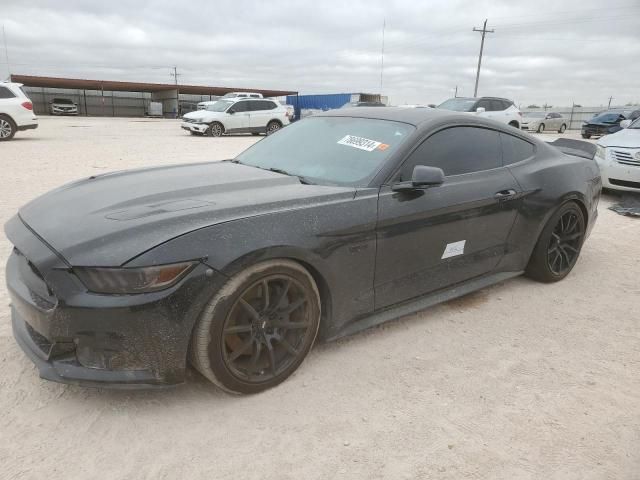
[(517, 381)]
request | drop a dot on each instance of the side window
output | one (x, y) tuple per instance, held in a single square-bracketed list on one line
[(267, 105), (240, 107), (6, 93), (497, 105), (515, 149), (483, 104), (505, 104), (456, 151)]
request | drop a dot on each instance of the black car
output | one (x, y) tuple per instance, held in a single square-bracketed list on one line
[(607, 122), (363, 104), (337, 223)]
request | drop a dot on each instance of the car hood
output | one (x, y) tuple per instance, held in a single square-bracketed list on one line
[(628, 137), (198, 115), (109, 219)]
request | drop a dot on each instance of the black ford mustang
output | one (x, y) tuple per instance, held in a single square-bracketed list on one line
[(334, 224)]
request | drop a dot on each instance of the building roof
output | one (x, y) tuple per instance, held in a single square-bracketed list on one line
[(117, 86)]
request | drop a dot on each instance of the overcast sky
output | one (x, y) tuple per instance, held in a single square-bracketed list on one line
[(541, 51)]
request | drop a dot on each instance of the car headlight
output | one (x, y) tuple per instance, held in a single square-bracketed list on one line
[(601, 152), (132, 280)]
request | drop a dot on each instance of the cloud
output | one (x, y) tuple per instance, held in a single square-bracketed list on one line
[(546, 51)]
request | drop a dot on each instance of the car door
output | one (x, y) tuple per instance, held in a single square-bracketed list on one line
[(237, 117), (260, 114), (433, 238)]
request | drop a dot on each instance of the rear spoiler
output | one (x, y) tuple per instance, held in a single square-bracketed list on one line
[(577, 148)]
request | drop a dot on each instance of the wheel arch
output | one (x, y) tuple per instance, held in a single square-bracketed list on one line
[(514, 123)]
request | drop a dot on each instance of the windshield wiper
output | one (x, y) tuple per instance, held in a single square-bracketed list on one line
[(302, 179)]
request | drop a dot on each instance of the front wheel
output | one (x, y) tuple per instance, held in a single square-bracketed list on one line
[(563, 127), (7, 128), (541, 128), (559, 245), (258, 328), (584, 135), (215, 130)]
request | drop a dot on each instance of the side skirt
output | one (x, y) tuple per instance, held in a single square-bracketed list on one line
[(421, 303)]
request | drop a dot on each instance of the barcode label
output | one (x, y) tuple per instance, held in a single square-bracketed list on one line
[(360, 143)]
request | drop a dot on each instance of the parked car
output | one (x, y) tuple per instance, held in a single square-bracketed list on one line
[(206, 105), (499, 109), (237, 115), (363, 104), (242, 95), (607, 122), (543, 121), (63, 106), (339, 222), (16, 111), (618, 156)]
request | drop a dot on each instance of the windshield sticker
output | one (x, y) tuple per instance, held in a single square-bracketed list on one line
[(361, 143), (383, 146)]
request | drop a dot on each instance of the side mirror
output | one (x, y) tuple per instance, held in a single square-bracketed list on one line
[(422, 177), (481, 110), (625, 123), (231, 112)]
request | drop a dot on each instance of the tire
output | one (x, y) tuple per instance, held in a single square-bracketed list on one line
[(559, 245), (245, 344), (563, 127), (273, 126), (540, 128), (216, 129), (8, 128), (586, 136), (255, 134)]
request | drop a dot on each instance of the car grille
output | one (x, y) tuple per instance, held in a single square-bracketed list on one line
[(624, 183), (625, 157)]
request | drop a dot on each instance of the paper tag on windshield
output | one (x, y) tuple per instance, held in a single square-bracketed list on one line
[(360, 143)]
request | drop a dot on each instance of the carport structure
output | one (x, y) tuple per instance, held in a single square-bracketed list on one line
[(91, 99)]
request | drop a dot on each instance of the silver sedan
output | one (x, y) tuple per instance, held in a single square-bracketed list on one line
[(541, 121)]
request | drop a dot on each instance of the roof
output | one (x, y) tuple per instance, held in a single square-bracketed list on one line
[(413, 116), (118, 86)]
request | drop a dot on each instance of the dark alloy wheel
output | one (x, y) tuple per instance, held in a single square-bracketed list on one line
[(7, 128), (273, 126), (559, 245), (259, 328)]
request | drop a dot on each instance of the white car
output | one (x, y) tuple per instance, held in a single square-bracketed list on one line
[(16, 111), (242, 95), (499, 109), (63, 106), (237, 115), (543, 122), (618, 156), (206, 105)]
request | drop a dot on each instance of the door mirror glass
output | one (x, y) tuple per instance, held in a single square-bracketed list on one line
[(422, 177), (480, 110)]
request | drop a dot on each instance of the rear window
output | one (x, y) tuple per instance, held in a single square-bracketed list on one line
[(6, 93), (458, 104)]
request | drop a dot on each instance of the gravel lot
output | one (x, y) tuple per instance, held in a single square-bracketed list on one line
[(520, 380)]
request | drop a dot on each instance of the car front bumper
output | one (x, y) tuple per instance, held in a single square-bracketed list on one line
[(78, 337), (195, 127), (620, 169), (64, 111)]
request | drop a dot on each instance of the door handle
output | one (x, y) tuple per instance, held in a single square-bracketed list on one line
[(505, 194)]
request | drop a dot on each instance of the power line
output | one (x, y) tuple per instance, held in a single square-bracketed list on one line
[(484, 32)]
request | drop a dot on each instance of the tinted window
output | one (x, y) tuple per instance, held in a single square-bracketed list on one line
[(240, 107), (459, 104), (262, 105), (515, 149), (506, 104), (456, 151), (6, 93), (486, 104), (497, 105)]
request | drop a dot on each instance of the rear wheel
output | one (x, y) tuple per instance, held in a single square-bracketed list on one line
[(584, 135), (7, 128), (273, 126), (215, 130), (563, 127), (541, 128), (559, 245), (258, 328)]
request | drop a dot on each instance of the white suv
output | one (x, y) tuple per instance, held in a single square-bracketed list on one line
[(237, 115), (16, 111), (499, 109)]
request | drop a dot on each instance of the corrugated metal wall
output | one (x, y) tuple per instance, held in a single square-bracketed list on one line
[(318, 102)]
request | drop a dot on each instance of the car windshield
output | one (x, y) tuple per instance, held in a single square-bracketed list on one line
[(64, 101), (329, 150), (535, 115), (458, 104), (220, 105), (606, 118)]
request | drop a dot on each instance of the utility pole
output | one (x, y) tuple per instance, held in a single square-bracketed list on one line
[(609, 106), (175, 75), (484, 31), (384, 25), (456, 92), (6, 52)]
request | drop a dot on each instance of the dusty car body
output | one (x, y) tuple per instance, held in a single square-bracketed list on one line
[(113, 275)]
